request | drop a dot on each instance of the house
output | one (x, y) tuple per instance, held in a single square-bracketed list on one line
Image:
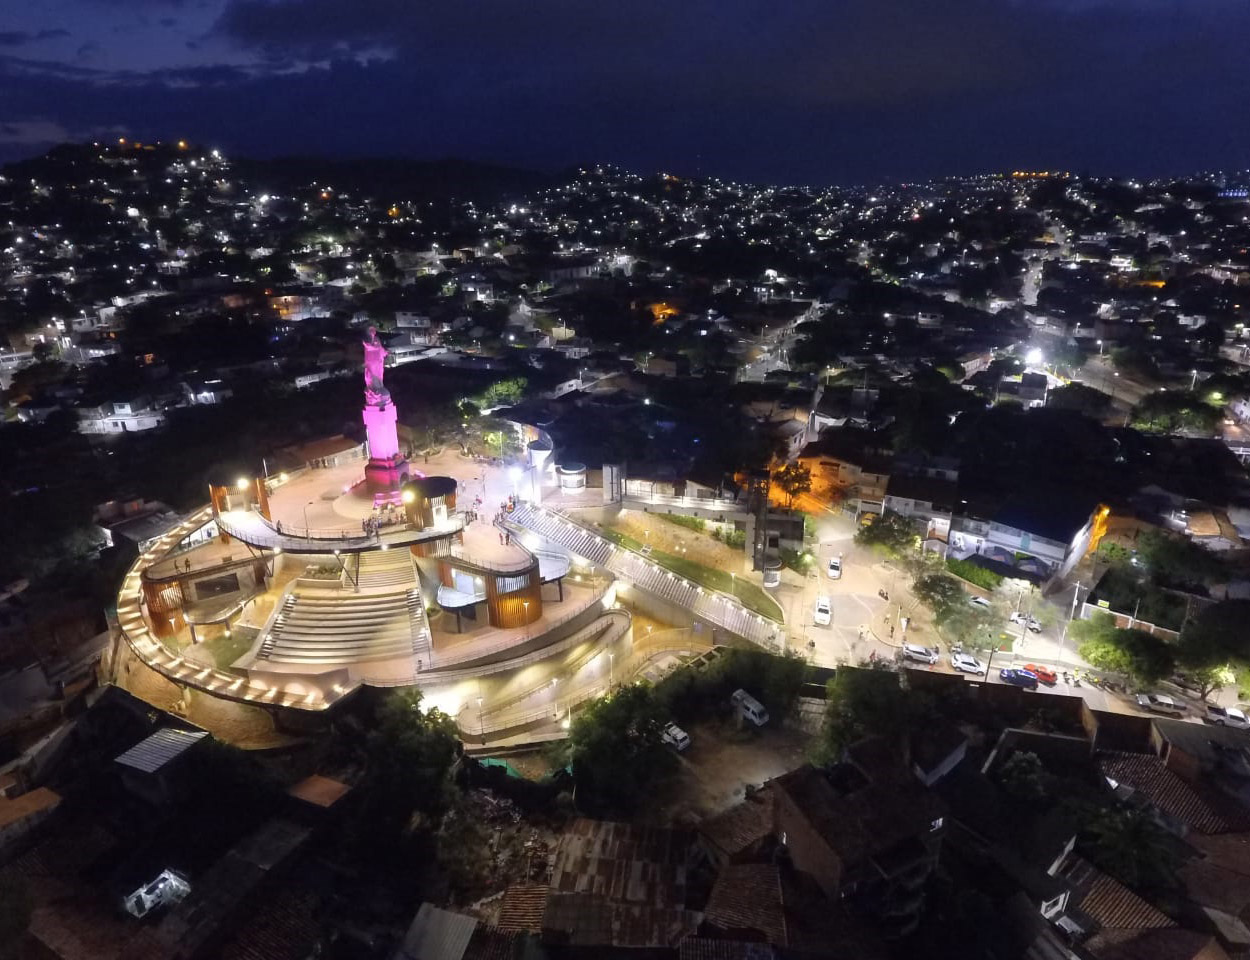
[(120, 416), (134, 522), (870, 841), (1043, 533)]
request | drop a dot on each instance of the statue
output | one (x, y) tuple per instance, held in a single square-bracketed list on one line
[(376, 394)]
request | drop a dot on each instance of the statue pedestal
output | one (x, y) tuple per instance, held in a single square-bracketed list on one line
[(386, 468)]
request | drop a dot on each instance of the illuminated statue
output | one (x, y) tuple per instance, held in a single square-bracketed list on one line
[(376, 394)]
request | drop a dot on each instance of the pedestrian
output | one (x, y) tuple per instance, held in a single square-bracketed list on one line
[(891, 631)]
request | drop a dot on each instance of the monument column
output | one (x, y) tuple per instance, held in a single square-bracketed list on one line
[(386, 468)]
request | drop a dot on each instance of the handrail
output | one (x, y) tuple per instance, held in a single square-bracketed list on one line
[(604, 623)]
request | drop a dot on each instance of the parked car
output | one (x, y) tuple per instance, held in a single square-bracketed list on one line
[(749, 707), (1160, 703), (835, 568), (966, 664), (1030, 622), (979, 602), (1227, 717), (1044, 674), (1018, 678), (913, 651), (823, 614), (675, 737)]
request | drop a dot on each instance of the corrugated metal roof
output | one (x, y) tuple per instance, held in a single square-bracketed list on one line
[(152, 753), (437, 934)]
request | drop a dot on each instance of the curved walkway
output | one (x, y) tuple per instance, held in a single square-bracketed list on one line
[(718, 608), (250, 527)]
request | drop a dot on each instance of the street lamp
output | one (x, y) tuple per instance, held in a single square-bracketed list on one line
[(611, 668), (307, 528), (1193, 381), (1100, 348)]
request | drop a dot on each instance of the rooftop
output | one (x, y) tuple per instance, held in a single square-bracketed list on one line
[(154, 752)]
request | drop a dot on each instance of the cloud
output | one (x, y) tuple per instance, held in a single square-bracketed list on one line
[(20, 38)]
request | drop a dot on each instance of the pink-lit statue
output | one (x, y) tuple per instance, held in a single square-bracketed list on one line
[(376, 394)]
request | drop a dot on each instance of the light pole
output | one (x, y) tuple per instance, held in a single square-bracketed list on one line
[(1193, 380), (1100, 348), (307, 528), (526, 605), (481, 723), (611, 669)]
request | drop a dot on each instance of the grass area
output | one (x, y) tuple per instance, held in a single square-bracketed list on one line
[(225, 650), (753, 597)]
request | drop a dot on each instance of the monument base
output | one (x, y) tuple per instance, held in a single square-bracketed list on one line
[(384, 475)]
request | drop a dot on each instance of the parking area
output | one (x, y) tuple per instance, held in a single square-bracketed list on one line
[(722, 759)]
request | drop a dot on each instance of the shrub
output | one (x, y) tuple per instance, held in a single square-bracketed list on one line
[(967, 570), (690, 523)]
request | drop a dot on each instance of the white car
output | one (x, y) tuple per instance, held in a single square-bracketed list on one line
[(966, 664), (1160, 703), (1228, 717), (1030, 622), (835, 568), (979, 602), (822, 616), (675, 737), (914, 651)]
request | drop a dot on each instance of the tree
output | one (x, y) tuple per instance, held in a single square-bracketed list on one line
[(1176, 411), (893, 532), (1023, 777), (1079, 397), (971, 626), (1178, 562), (1133, 848), (861, 702), (939, 592), (1212, 640), (793, 479), (1141, 656), (410, 753), (617, 752)]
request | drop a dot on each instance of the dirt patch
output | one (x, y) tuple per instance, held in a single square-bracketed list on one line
[(721, 760)]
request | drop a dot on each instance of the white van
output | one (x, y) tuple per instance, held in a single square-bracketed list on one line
[(749, 707)]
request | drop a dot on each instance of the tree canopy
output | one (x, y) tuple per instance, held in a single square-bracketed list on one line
[(1143, 657), (617, 752), (893, 532)]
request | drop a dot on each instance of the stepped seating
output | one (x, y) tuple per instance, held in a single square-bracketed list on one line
[(352, 628), (385, 570)]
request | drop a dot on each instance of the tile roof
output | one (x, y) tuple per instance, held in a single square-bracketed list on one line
[(704, 948), (522, 908), (742, 825), (1150, 775), (1111, 903), (152, 753), (747, 896), (319, 791)]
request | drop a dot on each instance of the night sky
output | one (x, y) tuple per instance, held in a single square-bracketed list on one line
[(808, 91)]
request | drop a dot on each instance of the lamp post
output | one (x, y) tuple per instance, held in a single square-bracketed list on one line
[(481, 724), (611, 669), (1100, 348), (307, 528), (526, 605), (1193, 380)]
